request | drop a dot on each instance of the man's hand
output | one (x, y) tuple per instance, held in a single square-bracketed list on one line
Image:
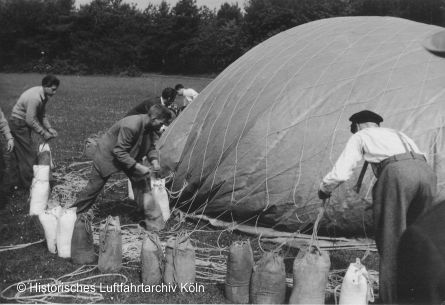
[(322, 195), (141, 170), (47, 136), (53, 132), (156, 165), (10, 145), (156, 168)]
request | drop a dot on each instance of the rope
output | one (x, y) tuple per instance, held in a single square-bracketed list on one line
[(314, 237), (24, 287), (19, 246)]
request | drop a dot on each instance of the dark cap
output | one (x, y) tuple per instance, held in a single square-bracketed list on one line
[(366, 116)]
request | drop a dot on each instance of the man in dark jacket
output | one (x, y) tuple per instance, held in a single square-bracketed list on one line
[(166, 99), (421, 260), (122, 148)]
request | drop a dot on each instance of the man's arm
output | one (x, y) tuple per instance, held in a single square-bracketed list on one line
[(4, 127), (124, 144), (45, 122), (32, 119), (153, 153), (343, 168)]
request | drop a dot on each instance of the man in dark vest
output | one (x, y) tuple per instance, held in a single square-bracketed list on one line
[(405, 186)]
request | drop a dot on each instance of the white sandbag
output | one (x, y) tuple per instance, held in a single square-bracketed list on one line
[(40, 190), (56, 210), (45, 147), (53, 204), (49, 224), (65, 227), (130, 190), (354, 288), (160, 196)]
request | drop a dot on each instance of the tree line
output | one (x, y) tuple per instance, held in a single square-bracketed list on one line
[(112, 37)]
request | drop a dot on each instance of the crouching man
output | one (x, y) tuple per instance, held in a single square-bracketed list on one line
[(123, 148)]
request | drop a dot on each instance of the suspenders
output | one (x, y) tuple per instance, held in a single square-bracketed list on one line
[(358, 185)]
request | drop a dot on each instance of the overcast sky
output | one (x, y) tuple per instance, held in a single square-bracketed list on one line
[(142, 4)]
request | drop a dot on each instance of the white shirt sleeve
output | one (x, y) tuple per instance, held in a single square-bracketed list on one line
[(343, 168)]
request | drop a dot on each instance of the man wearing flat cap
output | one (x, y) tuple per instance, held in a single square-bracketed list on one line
[(404, 189)]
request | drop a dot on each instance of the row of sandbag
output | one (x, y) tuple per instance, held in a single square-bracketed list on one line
[(177, 265), (71, 236), (264, 282)]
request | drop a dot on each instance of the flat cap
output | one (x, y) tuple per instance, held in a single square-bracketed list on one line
[(366, 116)]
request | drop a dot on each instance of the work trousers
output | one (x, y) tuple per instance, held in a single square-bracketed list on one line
[(5, 181), (142, 191), (24, 152), (88, 195), (404, 190)]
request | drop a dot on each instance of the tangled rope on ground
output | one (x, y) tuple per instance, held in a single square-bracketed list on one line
[(51, 290)]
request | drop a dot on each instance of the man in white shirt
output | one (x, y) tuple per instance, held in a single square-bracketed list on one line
[(405, 186), (189, 94)]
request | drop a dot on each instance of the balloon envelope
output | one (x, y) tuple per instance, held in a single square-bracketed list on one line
[(257, 141)]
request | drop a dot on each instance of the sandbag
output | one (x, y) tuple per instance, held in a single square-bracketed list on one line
[(268, 282), (56, 209), (153, 215), (180, 261), (82, 246), (354, 288), (310, 273), (239, 270), (49, 224), (110, 246), (152, 259), (65, 227), (44, 157), (160, 196), (40, 190)]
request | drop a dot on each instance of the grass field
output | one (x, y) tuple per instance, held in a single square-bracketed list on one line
[(83, 106)]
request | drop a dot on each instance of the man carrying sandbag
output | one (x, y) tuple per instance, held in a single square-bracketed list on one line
[(405, 186), (29, 115), (123, 148)]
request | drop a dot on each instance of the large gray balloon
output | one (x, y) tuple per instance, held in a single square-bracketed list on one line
[(257, 141)]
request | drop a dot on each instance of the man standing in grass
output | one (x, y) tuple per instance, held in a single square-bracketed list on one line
[(5, 150), (123, 148), (405, 186), (29, 115)]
